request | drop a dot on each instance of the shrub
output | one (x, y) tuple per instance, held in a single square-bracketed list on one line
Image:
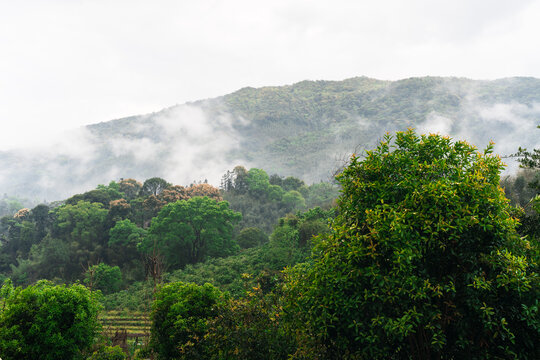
[(45, 321), (249, 329), (180, 314)]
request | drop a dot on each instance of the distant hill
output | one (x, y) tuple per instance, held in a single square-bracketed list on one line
[(306, 130)]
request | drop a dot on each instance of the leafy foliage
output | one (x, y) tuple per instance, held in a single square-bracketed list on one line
[(249, 328), (47, 322), (188, 231), (424, 261), (262, 200), (263, 263), (82, 227), (154, 186), (530, 159), (103, 277), (108, 353), (250, 237), (180, 315)]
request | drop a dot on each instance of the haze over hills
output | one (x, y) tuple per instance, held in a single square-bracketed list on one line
[(305, 130)]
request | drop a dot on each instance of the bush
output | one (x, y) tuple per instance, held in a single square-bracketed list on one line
[(47, 322), (249, 329), (424, 261), (180, 315), (108, 353), (103, 277)]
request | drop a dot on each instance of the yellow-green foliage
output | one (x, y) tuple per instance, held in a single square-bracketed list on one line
[(424, 261)]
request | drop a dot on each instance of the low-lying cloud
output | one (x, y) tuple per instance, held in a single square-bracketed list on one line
[(509, 125), (182, 144)]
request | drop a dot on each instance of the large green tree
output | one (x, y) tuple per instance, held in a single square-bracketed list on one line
[(103, 277), (44, 321), (123, 240), (154, 186), (188, 231), (423, 262), (82, 227)]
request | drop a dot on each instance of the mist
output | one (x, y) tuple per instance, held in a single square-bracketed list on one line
[(509, 125), (200, 141), (182, 144)]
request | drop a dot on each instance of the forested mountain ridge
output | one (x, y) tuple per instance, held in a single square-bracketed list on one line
[(305, 130)]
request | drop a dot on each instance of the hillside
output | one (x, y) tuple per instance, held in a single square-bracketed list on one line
[(306, 130)]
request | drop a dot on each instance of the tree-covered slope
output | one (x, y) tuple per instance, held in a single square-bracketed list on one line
[(305, 130)]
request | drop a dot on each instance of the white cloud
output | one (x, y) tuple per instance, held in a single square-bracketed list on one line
[(437, 124), (68, 63), (509, 125)]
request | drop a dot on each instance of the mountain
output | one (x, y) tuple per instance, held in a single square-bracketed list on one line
[(306, 130)]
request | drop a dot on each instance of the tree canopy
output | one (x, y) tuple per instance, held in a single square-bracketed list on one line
[(423, 261), (179, 320), (187, 231), (44, 321)]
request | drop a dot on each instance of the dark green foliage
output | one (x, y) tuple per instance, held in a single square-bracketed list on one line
[(188, 231), (238, 180), (153, 186), (522, 190), (103, 277), (310, 228), (47, 322), (126, 234), (292, 183), (62, 241), (249, 329), (530, 219), (261, 202), (424, 261), (42, 219), (321, 194), (48, 260), (290, 241), (180, 315), (250, 237), (83, 227), (23, 235), (122, 248), (518, 189), (225, 273), (264, 263), (275, 179), (102, 194)]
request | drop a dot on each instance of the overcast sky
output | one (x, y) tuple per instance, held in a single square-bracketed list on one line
[(68, 63)]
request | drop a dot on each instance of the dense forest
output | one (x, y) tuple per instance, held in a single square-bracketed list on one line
[(116, 226), (306, 130), (418, 249)]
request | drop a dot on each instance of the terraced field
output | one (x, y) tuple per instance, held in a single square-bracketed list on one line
[(135, 324)]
